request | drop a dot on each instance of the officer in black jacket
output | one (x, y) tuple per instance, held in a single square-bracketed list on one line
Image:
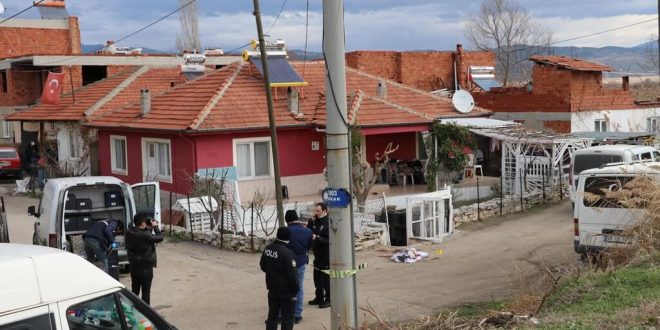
[(321, 248), (141, 248), (279, 264)]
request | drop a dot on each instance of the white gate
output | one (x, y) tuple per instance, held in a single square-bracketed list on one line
[(429, 216)]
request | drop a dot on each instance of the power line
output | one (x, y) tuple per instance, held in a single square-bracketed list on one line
[(22, 11), (277, 17)]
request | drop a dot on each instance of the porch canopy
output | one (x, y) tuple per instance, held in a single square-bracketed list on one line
[(531, 159)]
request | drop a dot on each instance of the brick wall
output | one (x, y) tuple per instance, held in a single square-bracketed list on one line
[(557, 126), (424, 70), (112, 70), (515, 100), (19, 41)]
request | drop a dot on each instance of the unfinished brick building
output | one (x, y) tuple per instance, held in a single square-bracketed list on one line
[(567, 95), (426, 70)]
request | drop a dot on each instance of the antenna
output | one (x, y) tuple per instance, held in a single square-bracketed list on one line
[(462, 101)]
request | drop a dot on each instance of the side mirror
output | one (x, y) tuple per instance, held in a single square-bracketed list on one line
[(31, 211)]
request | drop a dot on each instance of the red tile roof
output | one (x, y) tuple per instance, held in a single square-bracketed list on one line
[(570, 63), (88, 97), (233, 98)]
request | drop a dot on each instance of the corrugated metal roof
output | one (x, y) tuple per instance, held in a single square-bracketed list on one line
[(478, 122), (197, 204)]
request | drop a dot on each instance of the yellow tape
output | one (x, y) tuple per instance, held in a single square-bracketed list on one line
[(342, 273)]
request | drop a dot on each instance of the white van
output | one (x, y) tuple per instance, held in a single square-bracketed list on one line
[(45, 288), (69, 206), (595, 157), (597, 223)]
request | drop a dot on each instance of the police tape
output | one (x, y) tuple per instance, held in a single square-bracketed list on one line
[(342, 273)]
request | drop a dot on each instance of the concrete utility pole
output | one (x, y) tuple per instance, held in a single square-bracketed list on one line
[(659, 41), (342, 251), (271, 117)]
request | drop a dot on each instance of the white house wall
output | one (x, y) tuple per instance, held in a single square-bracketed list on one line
[(299, 185), (630, 120), (63, 151)]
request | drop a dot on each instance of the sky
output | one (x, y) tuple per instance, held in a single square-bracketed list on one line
[(369, 24)]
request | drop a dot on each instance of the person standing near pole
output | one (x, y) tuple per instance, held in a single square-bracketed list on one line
[(300, 243), (279, 264), (141, 248), (321, 248)]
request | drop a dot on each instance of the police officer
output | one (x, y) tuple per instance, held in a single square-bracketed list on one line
[(321, 248), (279, 264), (300, 243)]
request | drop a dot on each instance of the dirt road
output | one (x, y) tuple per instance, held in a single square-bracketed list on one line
[(200, 287)]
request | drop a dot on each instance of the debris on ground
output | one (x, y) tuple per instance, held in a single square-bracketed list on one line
[(409, 255)]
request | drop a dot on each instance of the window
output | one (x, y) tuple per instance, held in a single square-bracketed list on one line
[(3, 76), (7, 129), (252, 158), (652, 124), (103, 313), (157, 164), (118, 154), (44, 321), (600, 125), (74, 143), (598, 191)]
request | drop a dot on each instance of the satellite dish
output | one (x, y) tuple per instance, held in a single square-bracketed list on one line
[(462, 101), (2, 9)]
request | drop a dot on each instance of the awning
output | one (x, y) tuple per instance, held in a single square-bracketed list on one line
[(486, 84), (614, 136), (280, 72)]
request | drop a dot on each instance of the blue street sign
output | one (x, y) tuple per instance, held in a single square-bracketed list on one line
[(336, 197)]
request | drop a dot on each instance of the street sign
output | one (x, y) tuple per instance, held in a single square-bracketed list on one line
[(336, 197)]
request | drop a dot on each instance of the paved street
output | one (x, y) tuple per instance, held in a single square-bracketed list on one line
[(201, 287)]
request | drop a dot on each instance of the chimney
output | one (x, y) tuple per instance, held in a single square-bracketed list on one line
[(381, 90), (458, 69), (145, 102), (626, 83), (292, 96)]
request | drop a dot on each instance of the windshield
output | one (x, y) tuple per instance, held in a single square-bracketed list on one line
[(585, 162)]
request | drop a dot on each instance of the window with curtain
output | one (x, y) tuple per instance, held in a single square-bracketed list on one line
[(157, 159), (118, 154), (253, 159)]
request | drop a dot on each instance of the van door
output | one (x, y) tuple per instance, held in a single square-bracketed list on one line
[(601, 218), (146, 199)]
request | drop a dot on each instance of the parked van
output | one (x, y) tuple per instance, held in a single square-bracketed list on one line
[(69, 206), (595, 157), (598, 223), (45, 288)]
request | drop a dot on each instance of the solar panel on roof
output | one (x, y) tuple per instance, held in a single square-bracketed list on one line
[(486, 84), (280, 72)]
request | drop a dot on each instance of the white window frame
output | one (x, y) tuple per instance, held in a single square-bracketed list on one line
[(158, 177), (652, 124), (251, 142), (7, 129), (113, 159), (602, 125), (73, 141)]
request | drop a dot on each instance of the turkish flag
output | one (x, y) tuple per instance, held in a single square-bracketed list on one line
[(53, 88)]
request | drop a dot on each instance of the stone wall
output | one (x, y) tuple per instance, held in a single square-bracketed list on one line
[(511, 204)]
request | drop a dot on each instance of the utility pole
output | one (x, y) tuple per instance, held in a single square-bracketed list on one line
[(271, 116), (658, 41), (342, 250)]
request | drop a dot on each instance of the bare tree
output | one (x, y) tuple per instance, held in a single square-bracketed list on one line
[(188, 38), (509, 29), (364, 174), (651, 54)]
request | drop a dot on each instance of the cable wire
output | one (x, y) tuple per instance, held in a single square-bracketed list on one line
[(277, 18), (22, 11)]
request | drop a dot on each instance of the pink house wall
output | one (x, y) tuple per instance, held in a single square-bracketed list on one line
[(190, 153)]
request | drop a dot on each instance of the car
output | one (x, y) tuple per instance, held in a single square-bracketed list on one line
[(46, 288), (10, 162)]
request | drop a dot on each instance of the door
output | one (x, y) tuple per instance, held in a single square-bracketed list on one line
[(146, 199)]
